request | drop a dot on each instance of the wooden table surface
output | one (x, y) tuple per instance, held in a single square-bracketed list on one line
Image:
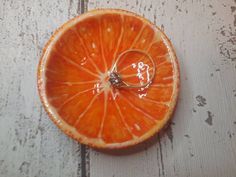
[(201, 138)]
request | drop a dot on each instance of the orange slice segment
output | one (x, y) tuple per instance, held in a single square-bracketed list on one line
[(73, 79)]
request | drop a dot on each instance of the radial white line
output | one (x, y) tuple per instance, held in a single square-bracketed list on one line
[(133, 75), (76, 64), (158, 57), (138, 35), (74, 96), (123, 120), (166, 78), (57, 97), (151, 100), (101, 46), (161, 85), (104, 114), (162, 63), (119, 41), (140, 110), (86, 109), (52, 71), (161, 56), (140, 58), (72, 83), (135, 40), (125, 68), (86, 51), (157, 102)]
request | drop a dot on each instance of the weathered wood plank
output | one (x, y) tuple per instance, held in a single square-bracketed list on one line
[(30, 145), (201, 138)]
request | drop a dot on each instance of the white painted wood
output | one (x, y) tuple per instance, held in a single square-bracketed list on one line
[(30, 145), (201, 140)]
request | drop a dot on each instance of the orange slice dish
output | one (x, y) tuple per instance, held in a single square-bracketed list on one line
[(73, 80)]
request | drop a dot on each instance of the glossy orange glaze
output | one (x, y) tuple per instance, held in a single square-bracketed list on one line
[(75, 74)]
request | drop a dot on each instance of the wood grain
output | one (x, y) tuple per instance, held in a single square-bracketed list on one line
[(200, 140), (30, 144)]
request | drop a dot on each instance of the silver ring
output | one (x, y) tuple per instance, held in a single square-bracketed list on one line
[(116, 79)]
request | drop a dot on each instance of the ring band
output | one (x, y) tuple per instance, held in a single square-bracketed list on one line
[(115, 78)]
